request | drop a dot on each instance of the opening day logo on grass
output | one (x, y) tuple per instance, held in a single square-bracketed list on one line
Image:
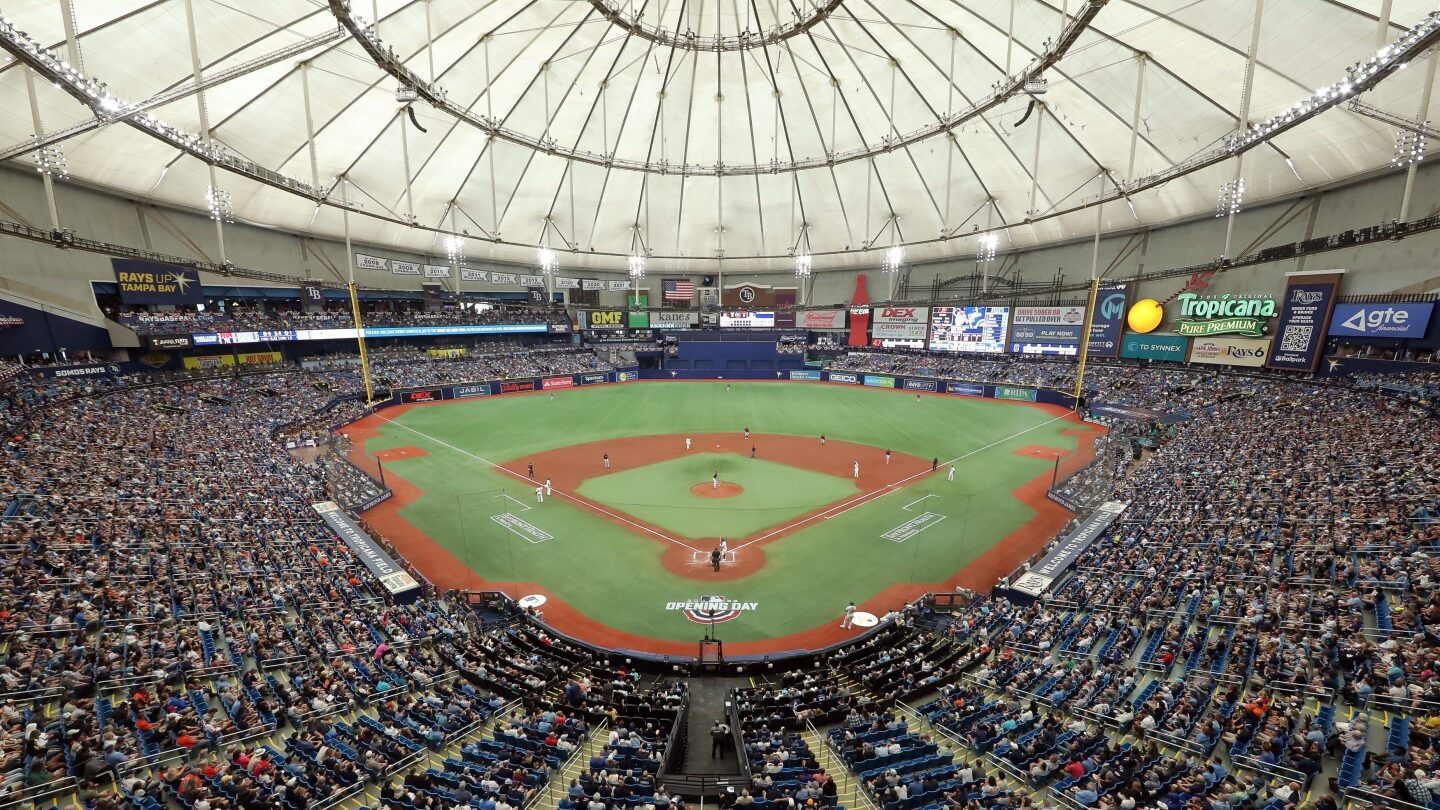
[(711, 609)]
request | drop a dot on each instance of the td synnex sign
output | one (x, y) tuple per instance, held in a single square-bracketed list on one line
[(1381, 320)]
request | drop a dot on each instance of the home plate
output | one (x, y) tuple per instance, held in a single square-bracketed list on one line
[(535, 600), (863, 619)]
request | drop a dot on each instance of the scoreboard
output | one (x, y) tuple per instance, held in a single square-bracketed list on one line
[(969, 329)]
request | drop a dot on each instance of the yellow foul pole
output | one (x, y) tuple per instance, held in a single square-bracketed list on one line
[(354, 297), (1085, 340)]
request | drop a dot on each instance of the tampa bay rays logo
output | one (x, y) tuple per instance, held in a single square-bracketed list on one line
[(711, 609)]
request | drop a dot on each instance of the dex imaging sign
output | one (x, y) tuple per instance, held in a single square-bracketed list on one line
[(1381, 320)]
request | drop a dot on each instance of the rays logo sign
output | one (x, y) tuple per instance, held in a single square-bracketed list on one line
[(711, 609)]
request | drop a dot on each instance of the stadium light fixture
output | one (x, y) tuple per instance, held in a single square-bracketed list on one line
[(1409, 147), (50, 160), (989, 245), (549, 261), (455, 249), (1231, 197), (637, 267), (219, 203), (894, 257), (804, 265)]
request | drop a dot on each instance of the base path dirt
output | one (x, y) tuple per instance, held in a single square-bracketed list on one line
[(568, 466), (725, 489)]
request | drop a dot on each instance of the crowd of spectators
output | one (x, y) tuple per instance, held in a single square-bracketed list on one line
[(250, 318)]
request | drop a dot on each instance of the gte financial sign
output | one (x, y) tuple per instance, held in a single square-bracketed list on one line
[(1227, 314)]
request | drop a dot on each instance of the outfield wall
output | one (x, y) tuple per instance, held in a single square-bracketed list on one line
[(898, 382)]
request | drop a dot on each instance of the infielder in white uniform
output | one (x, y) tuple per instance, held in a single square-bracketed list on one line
[(547, 486), (539, 494), (849, 620), (950, 474), (857, 469), (687, 442)]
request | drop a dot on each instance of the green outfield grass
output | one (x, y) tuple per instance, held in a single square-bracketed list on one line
[(660, 494), (615, 575)]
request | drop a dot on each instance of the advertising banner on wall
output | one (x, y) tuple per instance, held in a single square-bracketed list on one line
[(747, 320), (811, 376), (551, 383), (879, 381), (785, 302), (748, 295), (913, 384), (168, 341), (514, 386), (391, 575), (822, 319), (470, 391), (1049, 316), (969, 329), (142, 282), (1228, 351), (899, 323), (964, 389), (664, 319), (1381, 320), (602, 320), (1017, 394), (427, 395), (844, 377), (1107, 321), (1304, 316), (1155, 347), (1224, 314)]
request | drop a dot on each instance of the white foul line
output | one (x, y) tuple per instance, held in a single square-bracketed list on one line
[(861, 500), (583, 504), (521, 504), (907, 506)]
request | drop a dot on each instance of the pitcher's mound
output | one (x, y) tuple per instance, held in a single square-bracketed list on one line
[(708, 490)]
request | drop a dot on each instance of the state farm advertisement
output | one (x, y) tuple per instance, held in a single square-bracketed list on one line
[(899, 323), (551, 383)]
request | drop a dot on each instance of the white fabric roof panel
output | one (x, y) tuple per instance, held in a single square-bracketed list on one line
[(558, 69)]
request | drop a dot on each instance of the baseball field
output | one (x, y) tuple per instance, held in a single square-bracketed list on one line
[(621, 548)]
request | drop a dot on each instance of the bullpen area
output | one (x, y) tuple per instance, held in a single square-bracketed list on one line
[(644, 488)]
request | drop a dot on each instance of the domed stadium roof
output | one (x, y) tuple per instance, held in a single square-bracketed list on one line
[(697, 129)]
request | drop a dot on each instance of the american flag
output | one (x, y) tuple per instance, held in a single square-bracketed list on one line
[(679, 290)]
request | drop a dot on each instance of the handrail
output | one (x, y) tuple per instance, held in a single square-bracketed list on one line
[(860, 793)]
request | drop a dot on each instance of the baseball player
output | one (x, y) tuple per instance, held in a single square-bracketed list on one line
[(887, 455), (715, 559), (849, 620), (715, 480), (822, 439), (530, 470), (724, 547), (934, 464), (687, 442), (747, 433), (547, 486), (752, 451), (607, 461), (539, 494), (857, 469), (950, 474)]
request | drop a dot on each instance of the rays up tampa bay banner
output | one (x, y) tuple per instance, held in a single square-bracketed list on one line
[(1304, 319), (142, 282)]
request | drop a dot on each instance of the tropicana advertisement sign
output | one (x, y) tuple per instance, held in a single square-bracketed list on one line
[(1226, 314)]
